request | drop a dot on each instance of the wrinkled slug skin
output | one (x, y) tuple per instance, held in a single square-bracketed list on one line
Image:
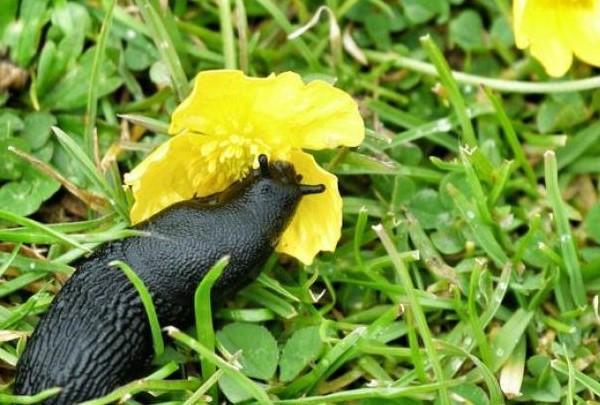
[(96, 336)]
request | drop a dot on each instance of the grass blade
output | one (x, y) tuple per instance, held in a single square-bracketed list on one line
[(44, 229), (29, 399), (203, 313), (456, 99), (166, 49), (146, 298), (258, 393), (92, 99), (227, 34), (416, 310), (567, 244), (90, 172)]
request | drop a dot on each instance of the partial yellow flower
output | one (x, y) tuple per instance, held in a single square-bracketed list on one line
[(554, 30), (222, 127)]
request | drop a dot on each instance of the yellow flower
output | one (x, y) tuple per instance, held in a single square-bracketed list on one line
[(554, 30), (222, 127)]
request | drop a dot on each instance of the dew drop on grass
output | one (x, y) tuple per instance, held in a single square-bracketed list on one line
[(444, 125), (499, 352), (565, 238)]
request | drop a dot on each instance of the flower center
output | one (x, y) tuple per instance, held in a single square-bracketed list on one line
[(229, 158)]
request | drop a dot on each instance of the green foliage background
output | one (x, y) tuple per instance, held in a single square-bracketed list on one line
[(481, 282)]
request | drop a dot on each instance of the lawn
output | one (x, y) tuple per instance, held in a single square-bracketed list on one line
[(468, 270)]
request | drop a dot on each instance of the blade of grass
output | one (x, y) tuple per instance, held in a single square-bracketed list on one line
[(247, 384), (456, 99), (432, 128), (478, 195), (285, 25), (270, 301), (509, 336), (226, 24), (198, 396), (511, 375), (29, 264), (350, 396), (166, 49), (428, 254), (416, 309), (151, 124), (490, 380), (247, 315), (89, 171), (92, 98), (481, 231), (44, 229), (95, 202), (8, 262), (203, 313), (150, 383), (511, 137), (567, 244), (157, 340), (276, 286), (588, 382), (241, 20), (338, 355), (416, 354), (359, 232), (477, 330), (29, 399)]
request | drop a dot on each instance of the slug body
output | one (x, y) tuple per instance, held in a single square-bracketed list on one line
[(96, 335)]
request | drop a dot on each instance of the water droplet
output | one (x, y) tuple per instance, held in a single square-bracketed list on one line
[(444, 125), (31, 266), (468, 341), (499, 352), (131, 34), (470, 214)]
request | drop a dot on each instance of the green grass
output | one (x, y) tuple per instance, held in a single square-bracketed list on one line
[(469, 267)]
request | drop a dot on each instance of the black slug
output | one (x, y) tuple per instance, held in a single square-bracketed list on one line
[(96, 336)]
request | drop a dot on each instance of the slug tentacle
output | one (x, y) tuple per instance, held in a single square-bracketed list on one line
[(263, 162), (95, 335), (307, 189)]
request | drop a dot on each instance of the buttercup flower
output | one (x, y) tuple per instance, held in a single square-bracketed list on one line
[(554, 30), (222, 127)]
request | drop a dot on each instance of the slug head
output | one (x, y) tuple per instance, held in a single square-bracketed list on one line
[(278, 187), (271, 193)]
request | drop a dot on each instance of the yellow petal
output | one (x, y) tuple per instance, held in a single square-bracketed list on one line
[(580, 25), (521, 38), (278, 110), (317, 224), (185, 165), (537, 26)]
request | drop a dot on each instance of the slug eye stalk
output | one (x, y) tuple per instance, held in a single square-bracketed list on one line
[(307, 189), (263, 161)]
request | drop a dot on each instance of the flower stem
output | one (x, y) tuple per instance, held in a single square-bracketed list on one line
[(508, 86)]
